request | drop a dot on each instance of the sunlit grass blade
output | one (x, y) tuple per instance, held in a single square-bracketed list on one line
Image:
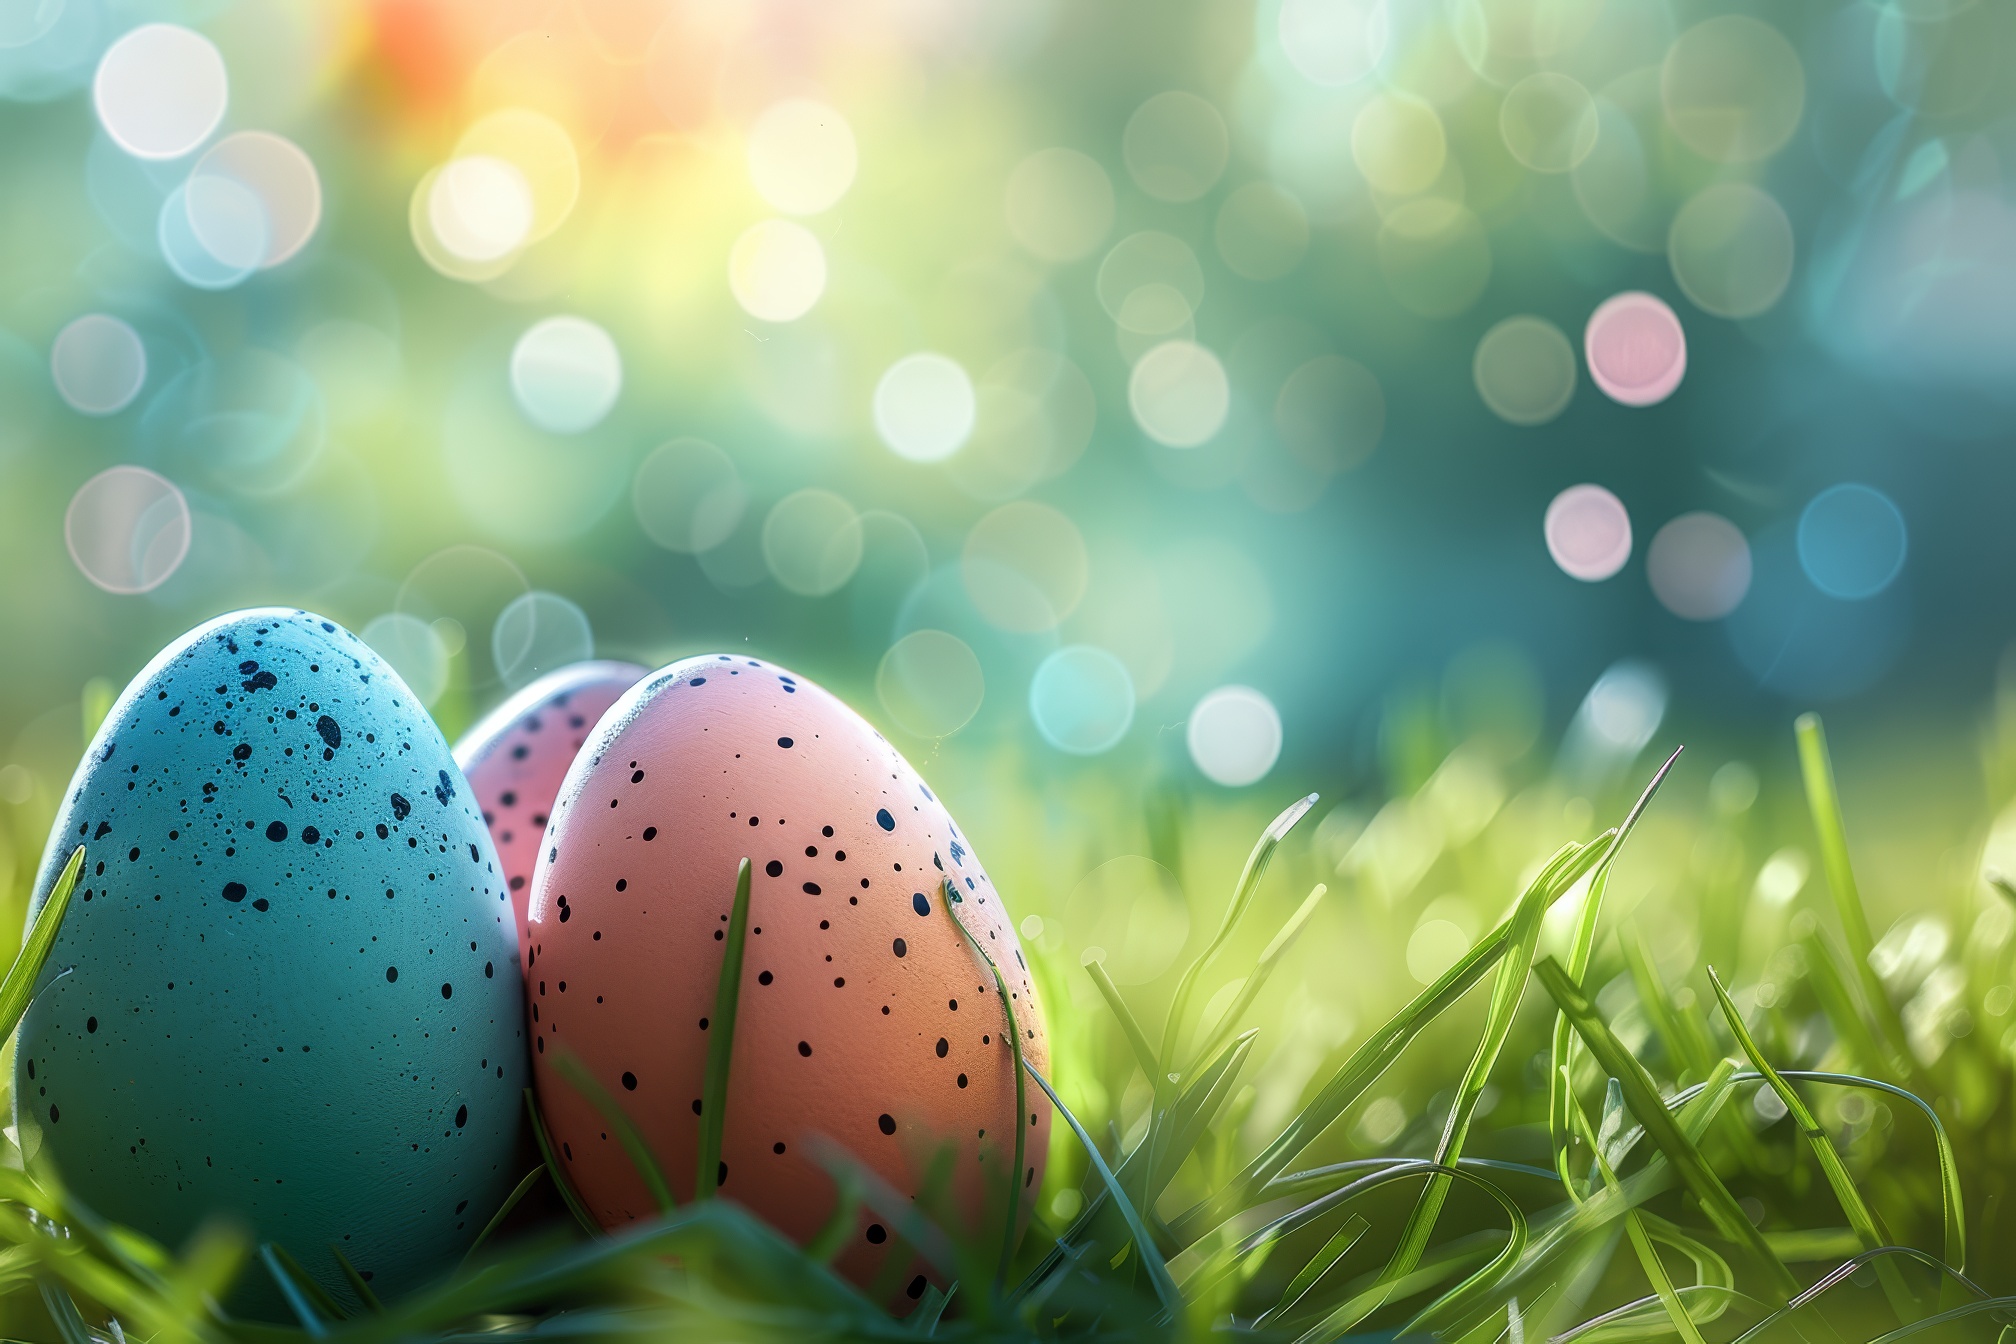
[(1193, 1112), (721, 1042), (1256, 979), (62, 1308), (19, 987), (518, 1192), (570, 1067), (1377, 1054), (1816, 768), (1827, 973), (296, 1299), (1242, 898), (358, 1283), (1686, 1048), (1130, 1026), (1151, 1255), (1560, 1072), (948, 896), (560, 1181), (1643, 1099), (1347, 1235), (832, 1235), (1641, 1241)]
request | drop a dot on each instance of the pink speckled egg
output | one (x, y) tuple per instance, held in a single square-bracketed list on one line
[(516, 757), (864, 1015)]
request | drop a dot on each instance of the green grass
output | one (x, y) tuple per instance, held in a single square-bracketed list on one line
[(1600, 1157)]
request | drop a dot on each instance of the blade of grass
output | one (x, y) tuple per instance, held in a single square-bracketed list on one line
[(1194, 1111), (19, 987), (1826, 971), (904, 1215), (1347, 1235), (839, 1224), (357, 1282), (1817, 769), (1130, 1026), (318, 1296), (1256, 980), (1643, 1099), (1151, 1255), (1370, 1060), (1686, 1049), (948, 896), (62, 1309), (721, 1042), (570, 1067), (1641, 1242), (291, 1291), (1560, 1072), (560, 1181), (932, 1309), (1506, 996), (1242, 897), (1860, 1217), (518, 1192)]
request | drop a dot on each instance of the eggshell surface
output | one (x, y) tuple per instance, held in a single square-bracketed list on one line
[(864, 1015), (517, 755), (285, 990)]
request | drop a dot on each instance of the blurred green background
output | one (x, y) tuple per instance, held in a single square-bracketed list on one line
[(1143, 412)]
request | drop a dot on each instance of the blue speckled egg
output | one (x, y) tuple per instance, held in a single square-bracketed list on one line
[(286, 990)]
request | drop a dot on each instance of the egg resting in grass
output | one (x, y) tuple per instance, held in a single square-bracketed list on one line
[(516, 757), (284, 991), (864, 1015)]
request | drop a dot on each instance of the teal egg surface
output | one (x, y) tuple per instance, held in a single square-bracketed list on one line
[(286, 989)]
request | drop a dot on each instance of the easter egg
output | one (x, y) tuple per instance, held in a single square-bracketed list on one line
[(285, 991), (864, 1016), (517, 755)]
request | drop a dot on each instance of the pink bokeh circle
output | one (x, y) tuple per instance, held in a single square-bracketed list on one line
[(1588, 532), (1636, 349)]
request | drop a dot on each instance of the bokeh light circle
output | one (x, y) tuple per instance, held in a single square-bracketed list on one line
[(1731, 250), (1588, 533), (1733, 89), (924, 407), (688, 496), (1262, 232), (1179, 394), (930, 683), (537, 633), (267, 174), (1331, 414), (160, 90), (193, 263), (1398, 143), (812, 542), (1025, 567), (566, 374), (777, 270), (540, 151), (1333, 42), (1175, 146), (1548, 122), (1525, 370), (1059, 204), (1082, 700), (1699, 566), (1852, 541), (480, 207), (802, 156), (413, 649), (1234, 736), (127, 529), (1636, 348), (98, 364)]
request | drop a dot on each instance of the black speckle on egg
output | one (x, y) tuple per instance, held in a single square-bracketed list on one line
[(391, 974), (330, 733), (916, 1288), (805, 1049), (276, 831), (901, 948), (784, 742), (944, 1046), (884, 820), (461, 1116), (234, 892), (447, 990), (774, 868), (242, 751), (877, 1234), (630, 1085), (920, 904), (887, 1123), (310, 836), (400, 808), (91, 1025)]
